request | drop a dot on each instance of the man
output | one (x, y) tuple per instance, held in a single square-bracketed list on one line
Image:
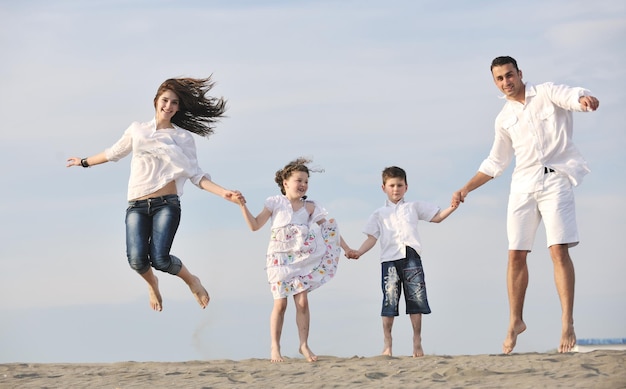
[(536, 126)]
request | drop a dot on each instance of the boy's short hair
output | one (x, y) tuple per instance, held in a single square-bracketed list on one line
[(394, 172)]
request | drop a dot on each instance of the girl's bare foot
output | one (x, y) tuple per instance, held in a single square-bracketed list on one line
[(276, 356), (511, 336), (308, 354)]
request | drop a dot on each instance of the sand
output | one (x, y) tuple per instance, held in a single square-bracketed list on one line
[(597, 369)]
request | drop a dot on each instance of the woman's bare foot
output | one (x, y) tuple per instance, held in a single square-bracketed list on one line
[(568, 339), (155, 299), (276, 356), (308, 354), (511, 336), (201, 295), (156, 302)]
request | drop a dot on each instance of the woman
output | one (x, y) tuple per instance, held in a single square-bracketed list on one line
[(164, 157)]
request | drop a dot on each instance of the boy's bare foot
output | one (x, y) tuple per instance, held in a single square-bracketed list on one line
[(387, 347), (276, 356), (568, 339), (308, 354), (511, 336), (156, 302), (201, 295), (417, 347)]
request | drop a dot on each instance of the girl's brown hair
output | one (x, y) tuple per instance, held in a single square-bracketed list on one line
[(297, 165)]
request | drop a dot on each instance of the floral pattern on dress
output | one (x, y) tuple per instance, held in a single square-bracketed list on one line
[(302, 257)]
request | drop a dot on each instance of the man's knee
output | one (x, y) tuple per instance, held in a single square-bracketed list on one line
[(560, 253), (518, 255)]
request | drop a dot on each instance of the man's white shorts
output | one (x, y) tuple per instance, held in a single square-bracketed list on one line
[(555, 204)]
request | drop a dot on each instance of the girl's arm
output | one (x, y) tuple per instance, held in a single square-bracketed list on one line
[(89, 161), (255, 222), (212, 187), (344, 245), (441, 215)]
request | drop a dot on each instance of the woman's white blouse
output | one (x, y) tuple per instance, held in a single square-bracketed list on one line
[(159, 156)]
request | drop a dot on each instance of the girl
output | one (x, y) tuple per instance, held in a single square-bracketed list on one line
[(164, 158), (303, 251)]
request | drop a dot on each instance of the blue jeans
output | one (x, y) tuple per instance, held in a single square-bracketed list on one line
[(150, 228), (404, 274)]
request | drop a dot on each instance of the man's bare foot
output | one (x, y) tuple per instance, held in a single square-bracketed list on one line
[(276, 356), (308, 354), (417, 347), (568, 339), (156, 302), (201, 295), (511, 336)]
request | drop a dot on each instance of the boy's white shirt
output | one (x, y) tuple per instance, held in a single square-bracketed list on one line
[(395, 227)]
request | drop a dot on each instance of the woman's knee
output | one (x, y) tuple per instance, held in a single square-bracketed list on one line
[(140, 265), (169, 264)]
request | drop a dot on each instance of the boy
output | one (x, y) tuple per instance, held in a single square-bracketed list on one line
[(395, 225)]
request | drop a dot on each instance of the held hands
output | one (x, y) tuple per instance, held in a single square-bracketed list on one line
[(588, 103), (458, 197), (239, 198), (352, 254), (235, 196)]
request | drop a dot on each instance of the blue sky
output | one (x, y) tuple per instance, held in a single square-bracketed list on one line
[(355, 85)]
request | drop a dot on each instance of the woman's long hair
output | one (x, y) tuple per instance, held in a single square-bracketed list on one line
[(197, 112)]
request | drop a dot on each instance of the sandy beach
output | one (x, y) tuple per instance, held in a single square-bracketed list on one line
[(597, 369)]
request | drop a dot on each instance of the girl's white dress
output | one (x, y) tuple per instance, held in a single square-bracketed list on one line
[(302, 255)]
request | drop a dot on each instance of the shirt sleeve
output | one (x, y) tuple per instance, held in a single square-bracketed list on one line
[(565, 96), (502, 152), (426, 211), (319, 213), (270, 203), (372, 227), (122, 147), (188, 146)]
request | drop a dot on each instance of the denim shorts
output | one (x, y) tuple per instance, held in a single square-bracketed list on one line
[(150, 228), (404, 274)]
